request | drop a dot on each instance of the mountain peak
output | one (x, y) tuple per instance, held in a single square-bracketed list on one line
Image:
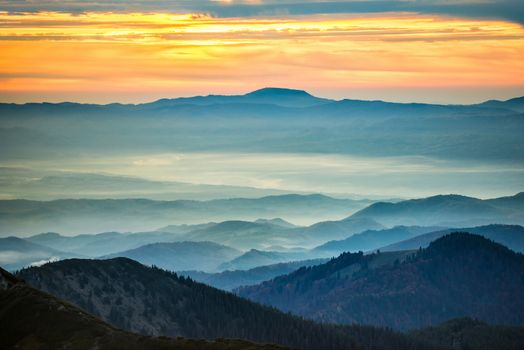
[(278, 92), (462, 242)]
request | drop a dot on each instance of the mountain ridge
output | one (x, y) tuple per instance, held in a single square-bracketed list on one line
[(452, 277), (271, 91)]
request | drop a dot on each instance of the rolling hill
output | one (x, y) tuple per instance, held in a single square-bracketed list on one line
[(151, 301), (95, 245), (202, 256), (229, 280), (31, 319), (16, 253), (247, 235), (512, 236), (457, 275), (70, 216), (447, 210), (370, 240), (330, 230)]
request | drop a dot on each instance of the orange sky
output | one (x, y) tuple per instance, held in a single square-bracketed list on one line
[(107, 57)]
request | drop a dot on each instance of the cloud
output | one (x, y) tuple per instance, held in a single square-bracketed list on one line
[(100, 55), (327, 173), (498, 9)]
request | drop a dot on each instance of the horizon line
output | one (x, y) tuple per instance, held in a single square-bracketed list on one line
[(180, 97)]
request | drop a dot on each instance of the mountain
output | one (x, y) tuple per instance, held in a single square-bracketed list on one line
[(446, 210), (329, 230), (512, 236), (371, 239), (246, 234), (515, 202), (274, 234), (165, 126), (151, 301), (31, 319), (262, 235), (94, 245), (229, 280), (16, 253), (285, 97), (80, 216), (277, 222), (272, 96), (203, 256), (457, 275), (515, 104), (254, 258)]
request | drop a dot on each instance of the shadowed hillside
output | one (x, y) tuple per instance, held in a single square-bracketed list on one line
[(457, 275), (155, 302), (31, 319)]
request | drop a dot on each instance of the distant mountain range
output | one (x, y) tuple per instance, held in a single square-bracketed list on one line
[(23, 217), (96, 245), (16, 253), (259, 242), (73, 216), (254, 258), (457, 275), (372, 239), (447, 210), (246, 234), (229, 280), (288, 119), (201, 256), (175, 251)]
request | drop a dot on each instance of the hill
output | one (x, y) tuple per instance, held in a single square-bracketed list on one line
[(516, 104), (277, 222), (254, 258), (274, 96), (455, 276), (31, 319), (246, 234), (155, 302), (16, 253), (80, 216), (229, 280), (203, 256), (512, 236), (370, 240), (446, 210), (95, 245), (330, 230)]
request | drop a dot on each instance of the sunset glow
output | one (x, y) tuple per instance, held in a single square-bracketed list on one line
[(107, 57)]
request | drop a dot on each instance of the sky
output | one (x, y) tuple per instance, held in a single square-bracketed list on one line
[(447, 51)]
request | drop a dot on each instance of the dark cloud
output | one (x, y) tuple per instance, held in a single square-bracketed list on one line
[(512, 10)]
